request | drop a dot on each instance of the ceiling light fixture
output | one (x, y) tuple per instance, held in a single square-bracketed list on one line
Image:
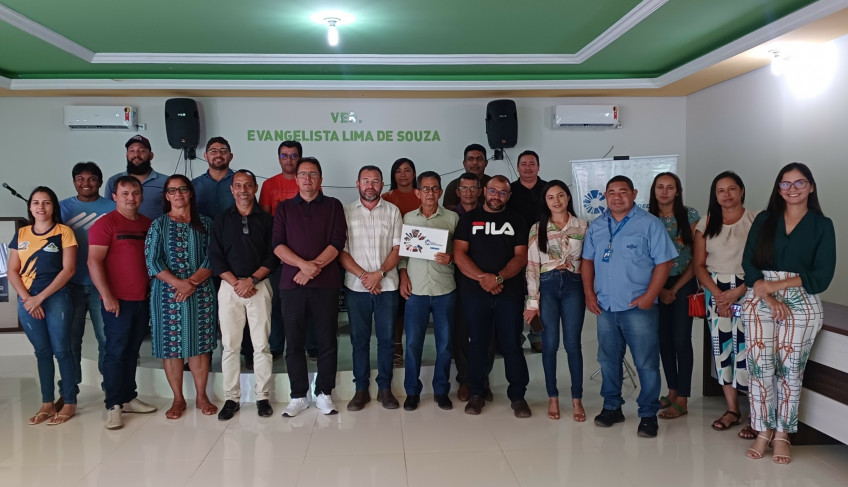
[(332, 19), (332, 31)]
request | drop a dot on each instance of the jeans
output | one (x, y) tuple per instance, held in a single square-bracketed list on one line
[(51, 337), (636, 328), (85, 299), (561, 300), (322, 305), (675, 335), (124, 334), (416, 318), (362, 309), (504, 313)]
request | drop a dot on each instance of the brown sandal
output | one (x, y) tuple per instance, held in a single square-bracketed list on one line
[(719, 425)]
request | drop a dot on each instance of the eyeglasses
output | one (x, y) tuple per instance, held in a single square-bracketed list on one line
[(244, 229), (430, 189), (366, 181), (799, 184), (493, 192), (293, 157), (475, 158), (215, 152), (173, 190), (309, 175), (464, 189)]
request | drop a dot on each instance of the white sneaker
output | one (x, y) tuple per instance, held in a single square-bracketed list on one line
[(138, 406), (324, 403), (113, 418), (296, 405)]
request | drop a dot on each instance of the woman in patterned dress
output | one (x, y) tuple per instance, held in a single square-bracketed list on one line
[(719, 243), (675, 324), (182, 299), (555, 291), (790, 258)]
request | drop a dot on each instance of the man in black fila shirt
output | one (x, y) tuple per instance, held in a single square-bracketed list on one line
[(490, 249)]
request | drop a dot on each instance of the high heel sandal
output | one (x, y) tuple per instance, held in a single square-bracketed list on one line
[(755, 454), (775, 457)]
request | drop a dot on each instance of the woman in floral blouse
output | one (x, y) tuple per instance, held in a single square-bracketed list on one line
[(555, 290)]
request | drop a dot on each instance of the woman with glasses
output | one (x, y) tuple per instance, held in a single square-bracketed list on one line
[(790, 257), (402, 190), (675, 324), (42, 259), (183, 309), (719, 243), (555, 291)]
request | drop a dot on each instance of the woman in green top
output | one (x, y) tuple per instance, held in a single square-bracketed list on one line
[(789, 258)]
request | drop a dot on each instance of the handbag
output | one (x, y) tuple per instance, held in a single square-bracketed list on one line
[(698, 304)]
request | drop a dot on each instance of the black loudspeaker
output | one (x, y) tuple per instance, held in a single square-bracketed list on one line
[(502, 124), (182, 123)]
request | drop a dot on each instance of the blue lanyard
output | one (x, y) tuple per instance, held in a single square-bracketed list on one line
[(620, 226)]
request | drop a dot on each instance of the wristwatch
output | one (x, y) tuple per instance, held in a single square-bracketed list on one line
[(382, 272), (499, 278), (254, 280)]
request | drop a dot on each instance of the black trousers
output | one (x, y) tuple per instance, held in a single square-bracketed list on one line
[(322, 305)]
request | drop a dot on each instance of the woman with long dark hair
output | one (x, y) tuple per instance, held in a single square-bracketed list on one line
[(555, 290), (402, 190), (790, 257), (183, 308), (719, 243), (675, 324), (42, 259)]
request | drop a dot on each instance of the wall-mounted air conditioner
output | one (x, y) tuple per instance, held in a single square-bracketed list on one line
[(101, 118), (586, 116)]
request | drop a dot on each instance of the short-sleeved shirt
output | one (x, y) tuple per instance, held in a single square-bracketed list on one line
[(277, 189), (428, 277), (126, 271), (308, 228), (809, 251), (639, 244), (80, 216), (371, 235), (724, 251), (213, 197), (151, 190), (526, 201), (405, 202), (492, 238), (41, 254), (684, 252)]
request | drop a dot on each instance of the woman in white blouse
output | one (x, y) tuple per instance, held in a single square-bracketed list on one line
[(555, 290)]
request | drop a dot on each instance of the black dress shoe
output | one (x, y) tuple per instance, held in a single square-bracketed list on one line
[(521, 409), (648, 427), (609, 417), (443, 401), (411, 402), (263, 408), (360, 399), (387, 399), (228, 411), (475, 405)]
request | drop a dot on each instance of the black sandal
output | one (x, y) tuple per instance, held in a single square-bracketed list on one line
[(718, 425)]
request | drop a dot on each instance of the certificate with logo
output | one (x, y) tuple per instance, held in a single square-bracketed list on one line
[(422, 242)]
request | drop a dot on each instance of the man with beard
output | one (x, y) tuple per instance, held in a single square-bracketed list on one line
[(212, 188), (139, 155), (490, 249), (370, 257), (474, 161)]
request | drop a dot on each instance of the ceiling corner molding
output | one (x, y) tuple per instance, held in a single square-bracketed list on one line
[(637, 14), (49, 36), (797, 19), (5, 83)]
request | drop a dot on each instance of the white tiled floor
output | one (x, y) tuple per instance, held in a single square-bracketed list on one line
[(379, 447)]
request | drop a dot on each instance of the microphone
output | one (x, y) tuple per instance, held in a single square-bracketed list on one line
[(14, 193)]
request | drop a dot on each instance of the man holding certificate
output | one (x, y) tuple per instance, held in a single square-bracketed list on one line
[(427, 283)]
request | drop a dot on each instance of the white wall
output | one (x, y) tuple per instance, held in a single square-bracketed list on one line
[(38, 149), (754, 125)]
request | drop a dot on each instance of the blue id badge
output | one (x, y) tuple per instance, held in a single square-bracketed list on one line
[(607, 254)]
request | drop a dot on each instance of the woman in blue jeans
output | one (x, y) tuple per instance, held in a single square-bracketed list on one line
[(555, 290), (42, 260)]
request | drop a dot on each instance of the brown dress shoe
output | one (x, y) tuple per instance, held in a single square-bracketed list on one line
[(475, 405), (521, 409), (462, 393), (360, 399), (387, 399)]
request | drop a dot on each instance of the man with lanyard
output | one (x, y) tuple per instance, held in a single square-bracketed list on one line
[(627, 255)]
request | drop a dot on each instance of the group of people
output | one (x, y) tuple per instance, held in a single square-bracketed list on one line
[(187, 259)]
